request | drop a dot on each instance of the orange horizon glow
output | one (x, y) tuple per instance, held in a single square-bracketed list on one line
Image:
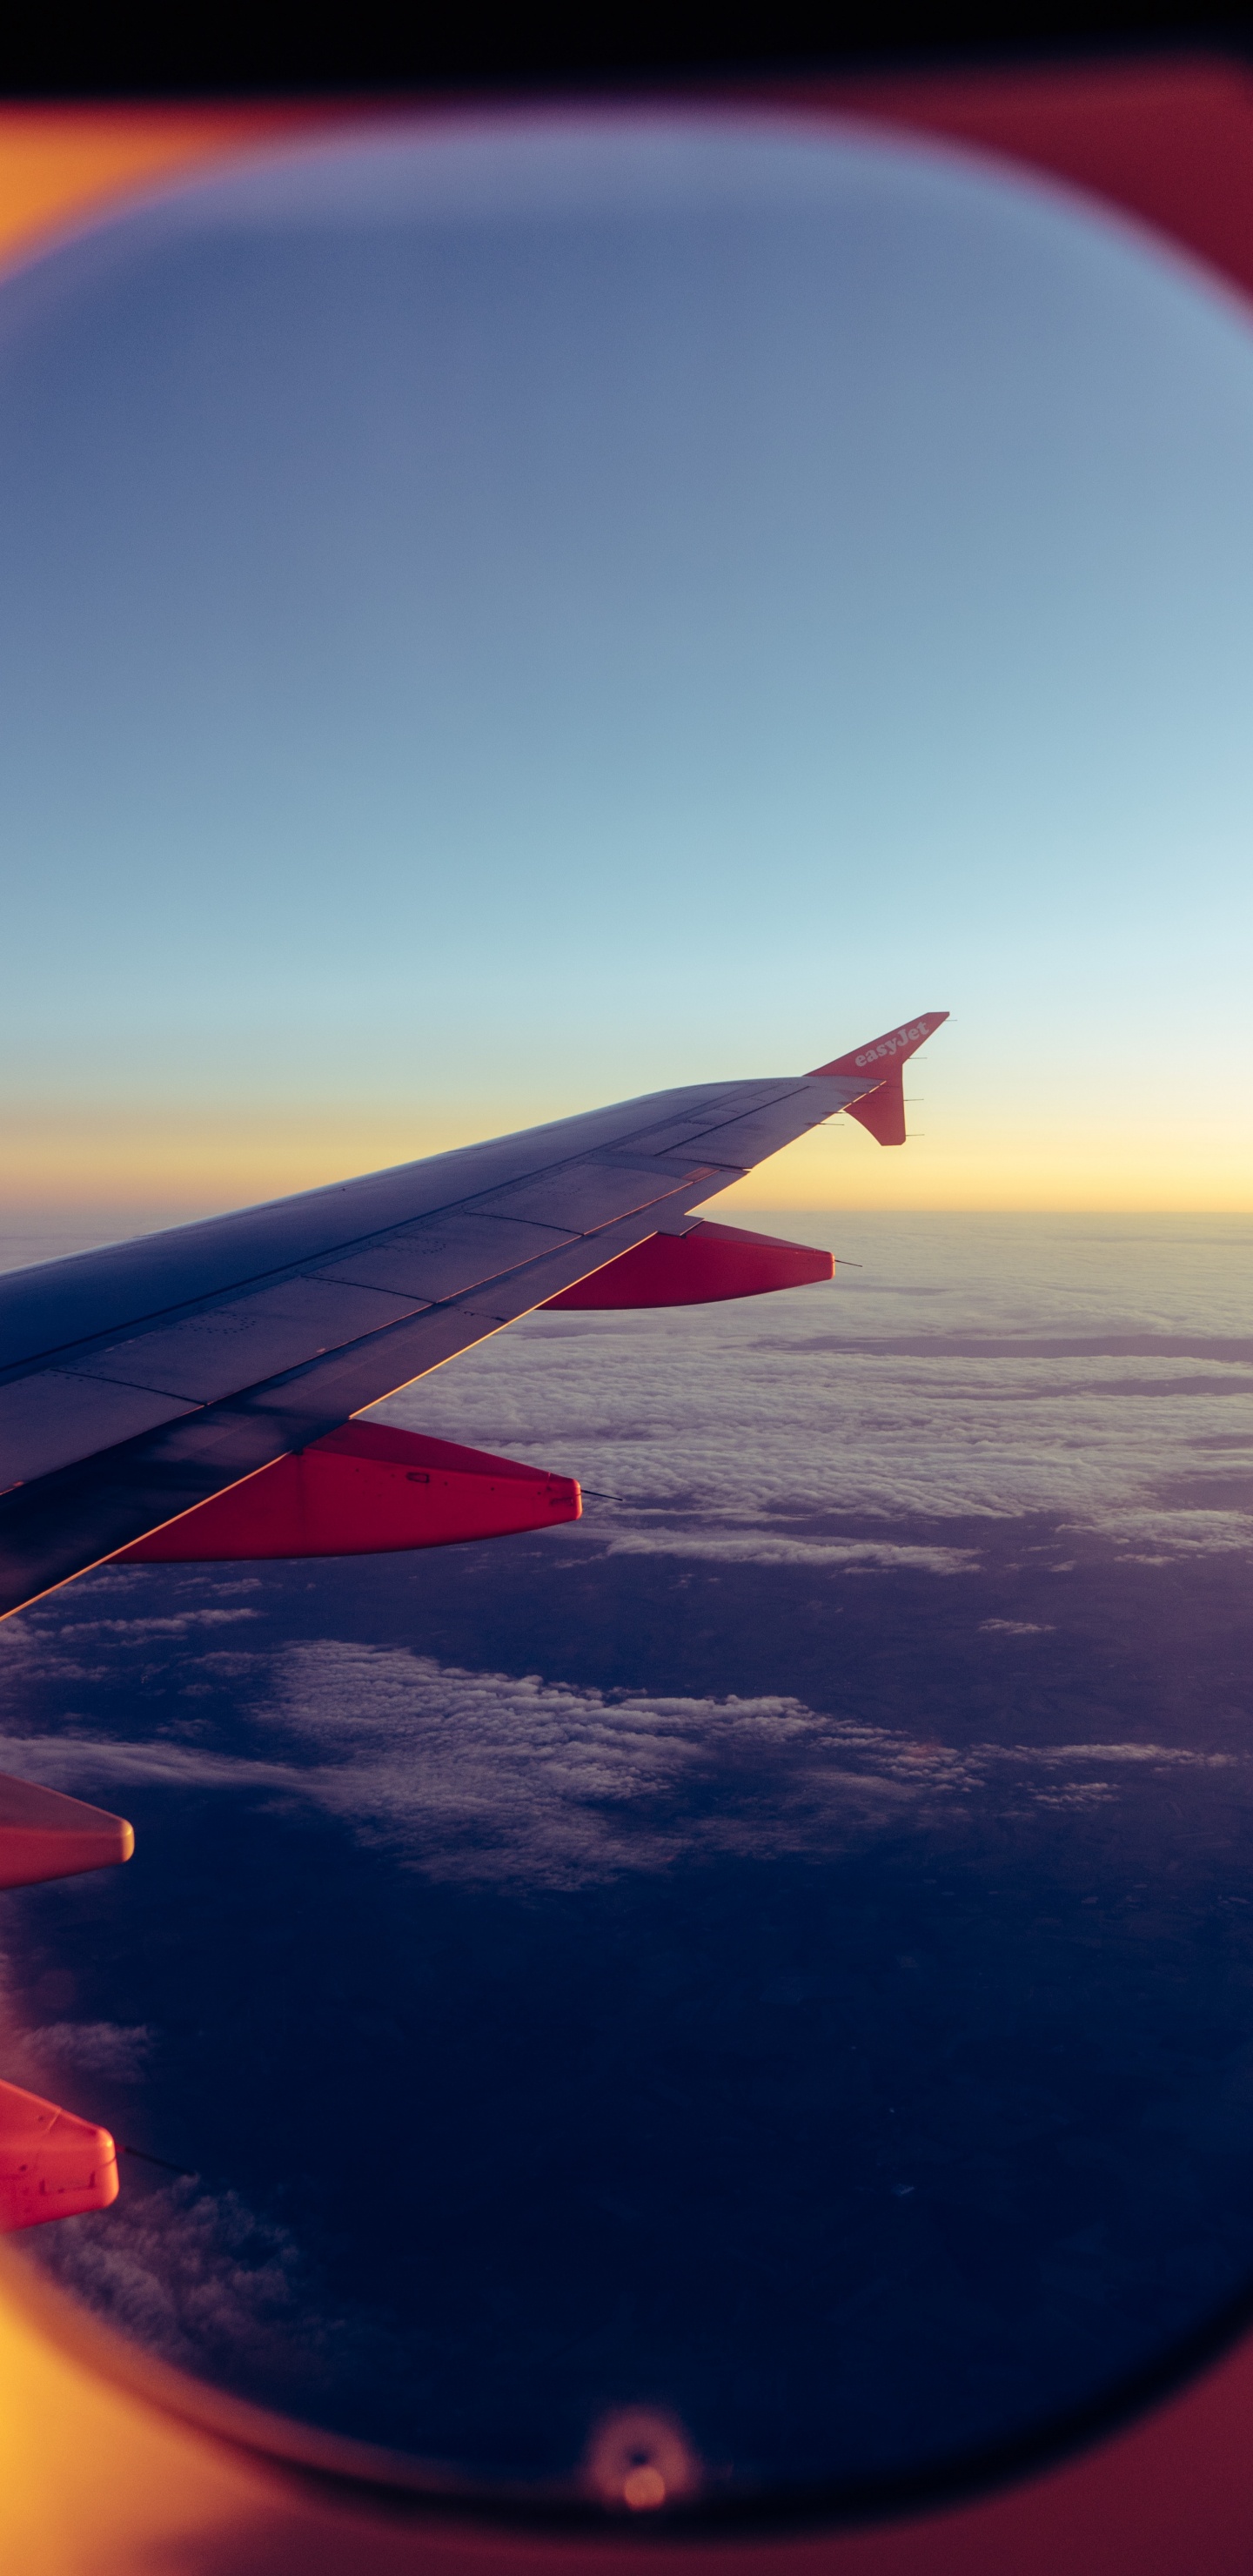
[(178, 1166)]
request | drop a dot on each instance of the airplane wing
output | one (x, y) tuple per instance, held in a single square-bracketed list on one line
[(189, 1396), (139, 1382)]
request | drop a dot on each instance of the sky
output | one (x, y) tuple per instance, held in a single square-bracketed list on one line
[(496, 621), (500, 621)]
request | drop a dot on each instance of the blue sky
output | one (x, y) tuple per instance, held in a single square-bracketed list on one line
[(498, 619)]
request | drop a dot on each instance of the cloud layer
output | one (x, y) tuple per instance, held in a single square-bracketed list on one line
[(496, 1778), (935, 1616), (964, 1373), (192, 2276)]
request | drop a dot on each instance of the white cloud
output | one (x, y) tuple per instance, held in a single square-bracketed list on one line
[(1187, 1532), (774, 1547), (1186, 1756), (74, 1762), (484, 1776), (109, 2048), (488, 1776), (140, 1629), (191, 2275), (746, 1404), (1076, 1795)]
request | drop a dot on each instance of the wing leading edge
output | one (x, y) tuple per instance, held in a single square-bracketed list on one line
[(138, 1382)]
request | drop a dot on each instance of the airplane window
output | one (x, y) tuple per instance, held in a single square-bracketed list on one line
[(748, 1996)]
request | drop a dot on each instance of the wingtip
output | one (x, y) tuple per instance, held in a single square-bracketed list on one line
[(874, 1059)]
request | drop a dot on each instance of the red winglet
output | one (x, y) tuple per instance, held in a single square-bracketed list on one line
[(52, 2165), (883, 1110), (879, 1054), (877, 1065)]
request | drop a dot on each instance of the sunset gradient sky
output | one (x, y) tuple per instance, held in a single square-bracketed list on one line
[(502, 620), (493, 619)]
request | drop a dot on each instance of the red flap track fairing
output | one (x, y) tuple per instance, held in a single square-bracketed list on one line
[(52, 2164)]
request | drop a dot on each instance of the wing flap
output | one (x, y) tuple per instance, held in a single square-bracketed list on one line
[(738, 1143), (444, 1256), (54, 1416), (210, 1355), (585, 1196)]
